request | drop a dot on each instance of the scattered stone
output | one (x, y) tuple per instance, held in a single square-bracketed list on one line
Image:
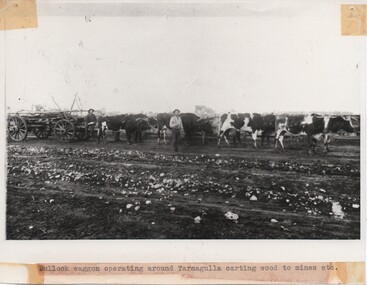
[(197, 220), (337, 210), (253, 198), (231, 216)]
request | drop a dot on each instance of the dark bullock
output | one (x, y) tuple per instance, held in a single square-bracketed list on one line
[(264, 124), (113, 123), (192, 124), (136, 124), (162, 125), (133, 124)]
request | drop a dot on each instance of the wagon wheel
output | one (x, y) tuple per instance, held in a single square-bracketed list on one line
[(17, 128), (43, 133), (64, 130)]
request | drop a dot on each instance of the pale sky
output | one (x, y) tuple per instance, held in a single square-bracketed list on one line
[(263, 57)]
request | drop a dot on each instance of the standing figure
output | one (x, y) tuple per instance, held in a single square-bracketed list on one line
[(90, 122), (176, 126)]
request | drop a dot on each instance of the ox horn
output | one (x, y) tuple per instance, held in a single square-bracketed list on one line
[(354, 118)]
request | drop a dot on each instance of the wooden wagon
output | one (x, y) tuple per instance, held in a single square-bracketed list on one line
[(65, 125)]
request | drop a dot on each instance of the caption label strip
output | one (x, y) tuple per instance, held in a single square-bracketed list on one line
[(18, 14), (193, 273), (353, 20)]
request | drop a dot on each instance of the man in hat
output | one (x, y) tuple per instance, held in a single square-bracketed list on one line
[(176, 126), (90, 121)]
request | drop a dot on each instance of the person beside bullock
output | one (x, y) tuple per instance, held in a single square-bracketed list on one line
[(176, 126), (90, 122)]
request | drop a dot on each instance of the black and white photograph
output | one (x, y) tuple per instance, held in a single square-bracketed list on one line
[(200, 120)]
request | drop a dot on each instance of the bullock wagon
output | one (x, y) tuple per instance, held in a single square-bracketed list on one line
[(65, 125)]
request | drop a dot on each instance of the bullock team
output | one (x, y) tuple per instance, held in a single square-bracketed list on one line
[(311, 126), (137, 124)]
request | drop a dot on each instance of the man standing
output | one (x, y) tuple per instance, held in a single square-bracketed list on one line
[(176, 126), (90, 122)]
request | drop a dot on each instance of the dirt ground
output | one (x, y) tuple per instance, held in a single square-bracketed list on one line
[(85, 190)]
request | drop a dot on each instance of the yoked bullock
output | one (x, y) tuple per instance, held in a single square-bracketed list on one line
[(192, 124), (252, 123), (133, 124)]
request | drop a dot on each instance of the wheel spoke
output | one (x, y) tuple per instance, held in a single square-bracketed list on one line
[(69, 127)]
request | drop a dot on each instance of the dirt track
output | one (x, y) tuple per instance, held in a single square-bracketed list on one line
[(83, 190)]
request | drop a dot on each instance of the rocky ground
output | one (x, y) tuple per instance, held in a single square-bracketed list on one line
[(85, 190)]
